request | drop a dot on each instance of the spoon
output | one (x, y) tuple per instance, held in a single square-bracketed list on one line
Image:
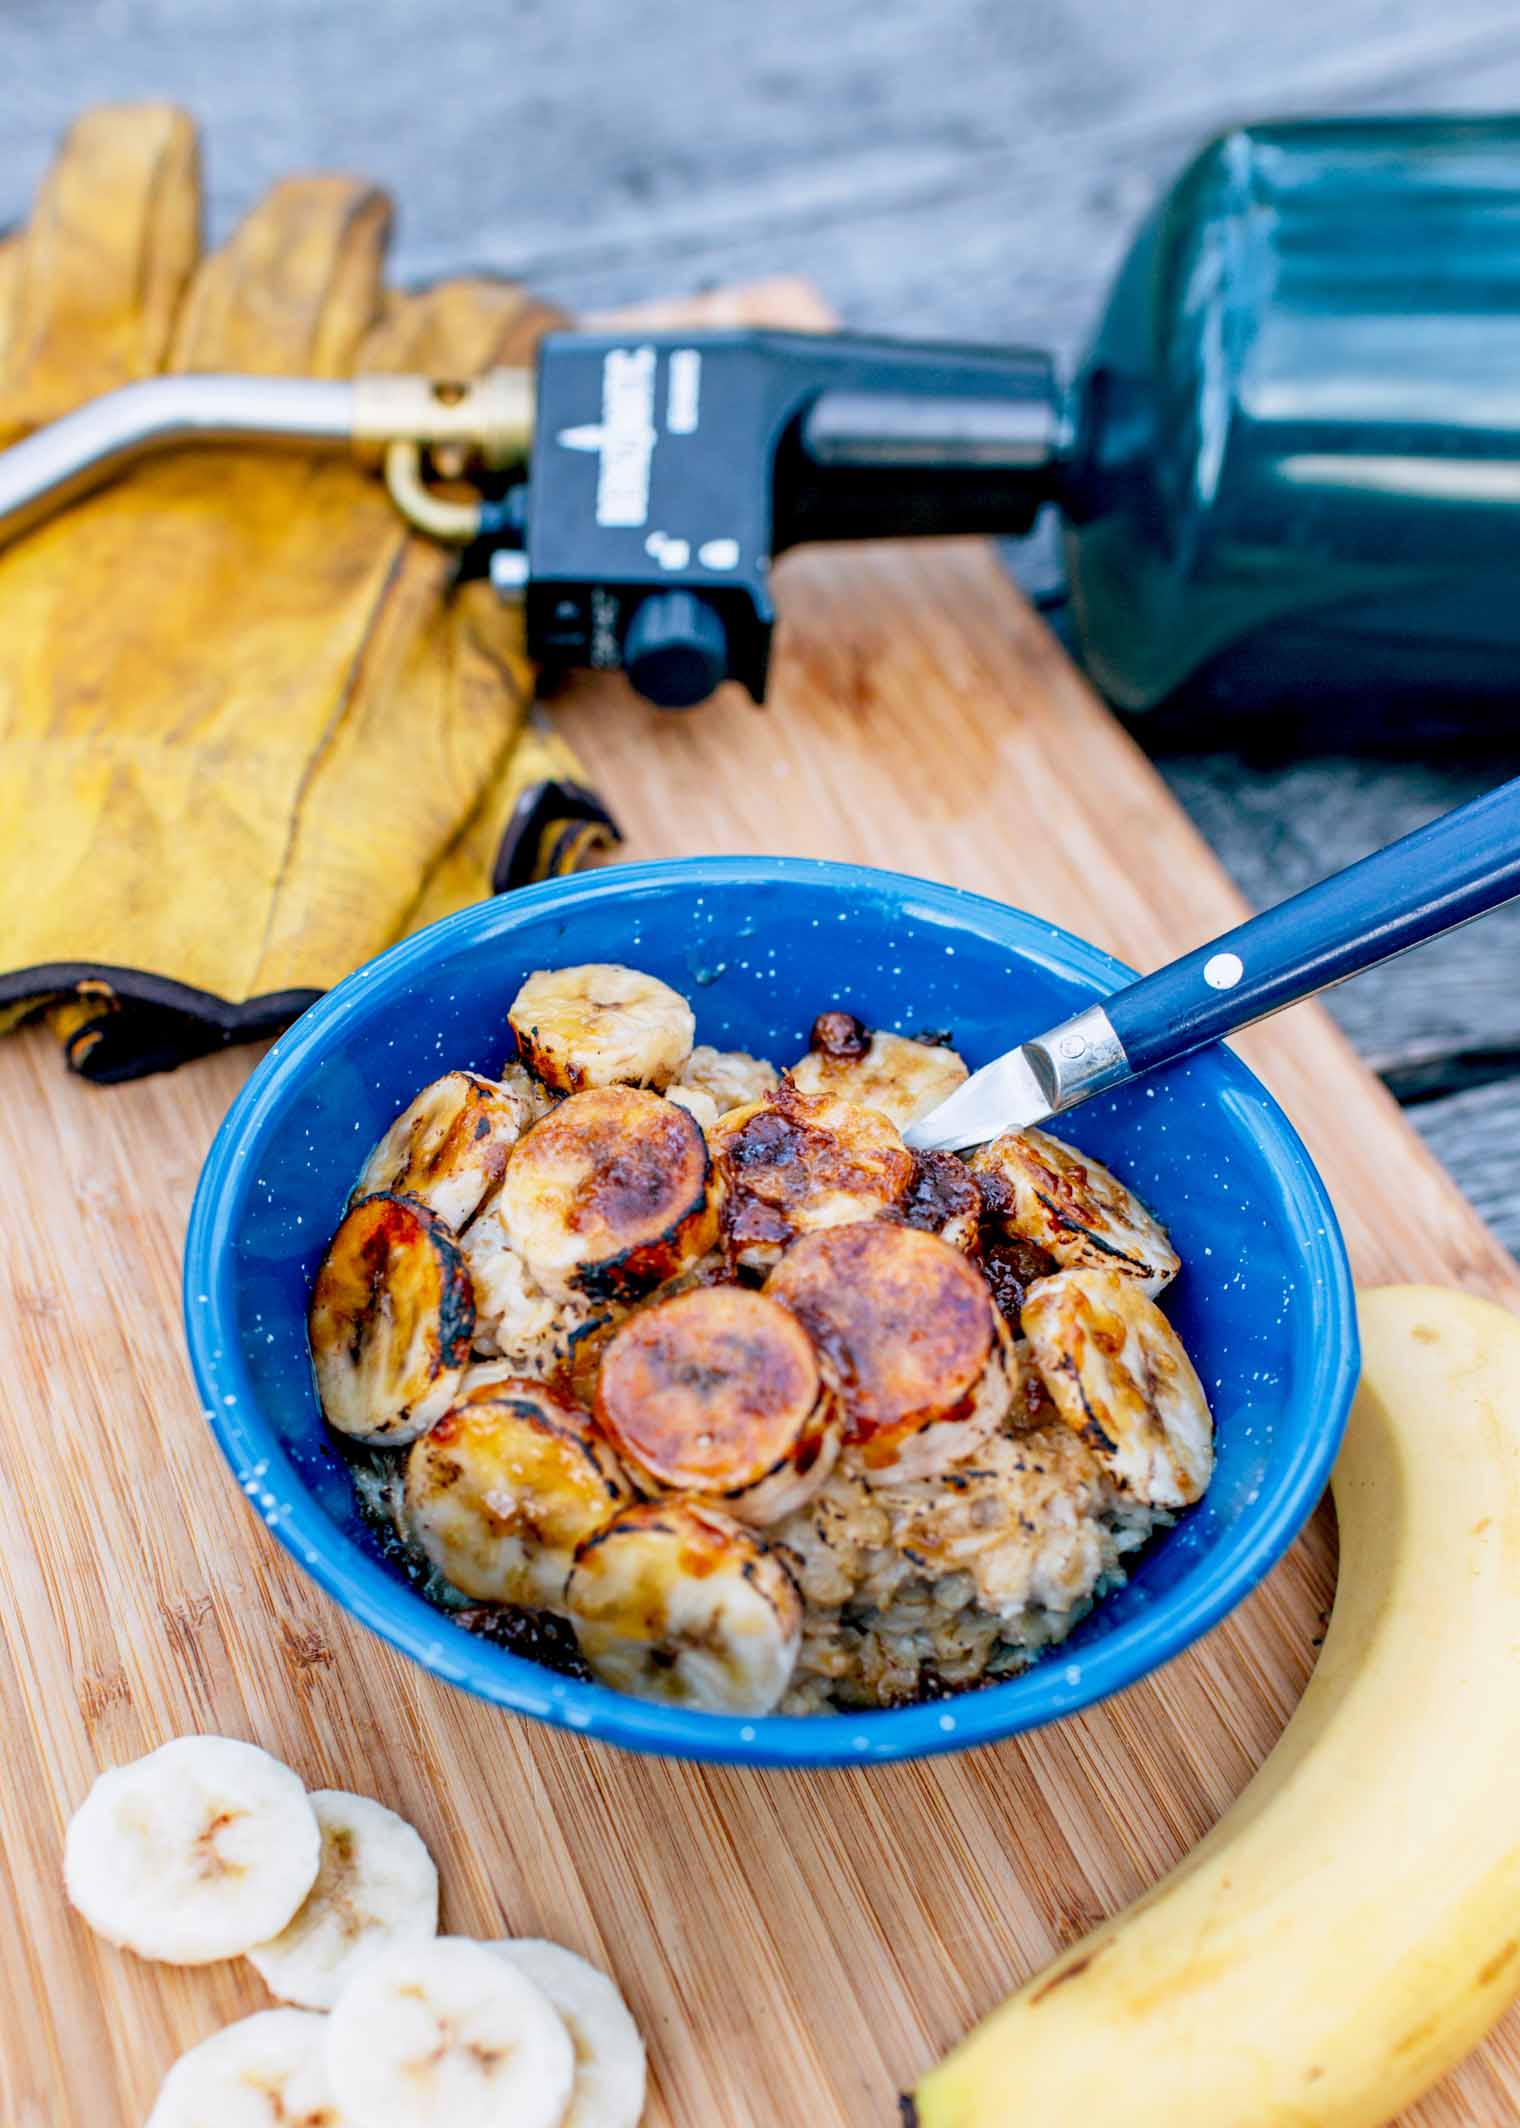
[(1445, 874)]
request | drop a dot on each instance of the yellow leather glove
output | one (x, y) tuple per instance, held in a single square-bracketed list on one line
[(251, 730)]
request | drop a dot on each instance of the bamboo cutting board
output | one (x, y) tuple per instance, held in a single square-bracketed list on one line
[(797, 1949)]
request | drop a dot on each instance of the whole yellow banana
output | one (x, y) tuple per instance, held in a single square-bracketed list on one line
[(1351, 1927)]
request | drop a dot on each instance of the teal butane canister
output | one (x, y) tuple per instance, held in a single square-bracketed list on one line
[(1294, 446)]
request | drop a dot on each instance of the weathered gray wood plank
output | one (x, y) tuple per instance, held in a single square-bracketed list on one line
[(966, 169), (1476, 1134), (1281, 828)]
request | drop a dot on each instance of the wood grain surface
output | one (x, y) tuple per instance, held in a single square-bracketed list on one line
[(796, 1948)]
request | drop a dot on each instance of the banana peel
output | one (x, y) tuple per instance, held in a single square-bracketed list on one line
[(1350, 1929)]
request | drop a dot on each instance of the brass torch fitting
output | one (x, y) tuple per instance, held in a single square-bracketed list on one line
[(488, 420)]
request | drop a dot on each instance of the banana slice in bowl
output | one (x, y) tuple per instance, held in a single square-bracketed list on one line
[(900, 1077), (375, 1885), (717, 1392), (601, 1024), (196, 1852), (504, 1490), (447, 2034), (533, 1098), (677, 1602), (1119, 1376), (611, 1194), (266, 2069), (697, 1103), (448, 1148), (1045, 1191), (391, 1321), (730, 1078), (908, 1337), (610, 2070), (797, 1163)]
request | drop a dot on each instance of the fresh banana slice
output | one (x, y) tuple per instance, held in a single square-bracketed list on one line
[(718, 1392), (696, 1103), (679, 1603), (392, 1316), (449, 1148), (801, 1162), (1118, 1375), (504, 1489), (1044, 1190), (447, 2034), (609, 2053), (900, 1078), (376, 1885), (610, 1194), (199, 1851), (945, 1198), (265, 2071), (908, 1337), (729, 1077), (601, 1025)]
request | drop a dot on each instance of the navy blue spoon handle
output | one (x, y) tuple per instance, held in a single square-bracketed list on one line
[(1459, 867)]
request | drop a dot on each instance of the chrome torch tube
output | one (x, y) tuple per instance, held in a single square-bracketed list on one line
[(383, 419), (81, 450)]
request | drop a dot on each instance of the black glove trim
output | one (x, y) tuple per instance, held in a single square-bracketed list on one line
[(146, 1023), (133, 1023), (553, 829)]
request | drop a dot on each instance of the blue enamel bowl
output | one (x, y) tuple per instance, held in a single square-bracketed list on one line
[(761, 945)]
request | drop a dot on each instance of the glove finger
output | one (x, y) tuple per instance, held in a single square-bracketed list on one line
[(458, 328), (296, 287), (103, 264)]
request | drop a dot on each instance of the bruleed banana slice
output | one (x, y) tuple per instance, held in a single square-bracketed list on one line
[(446, 2034), (610, 1194), (1047, 1192), (504, 1489), (448, 1149), (376, 1885), (391, 1320), (601, 1025), (677, 1602), (532, 1096), (609, 2054), (717, 1392), (696, 1103), (729, 1077), (908, 1337), (199, 1851), (264, 2070), (1119, 1377), (900, 1078), (798, 1163), (945, 1198)]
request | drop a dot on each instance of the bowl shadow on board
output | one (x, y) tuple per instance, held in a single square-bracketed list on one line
[(1264, 1303)]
